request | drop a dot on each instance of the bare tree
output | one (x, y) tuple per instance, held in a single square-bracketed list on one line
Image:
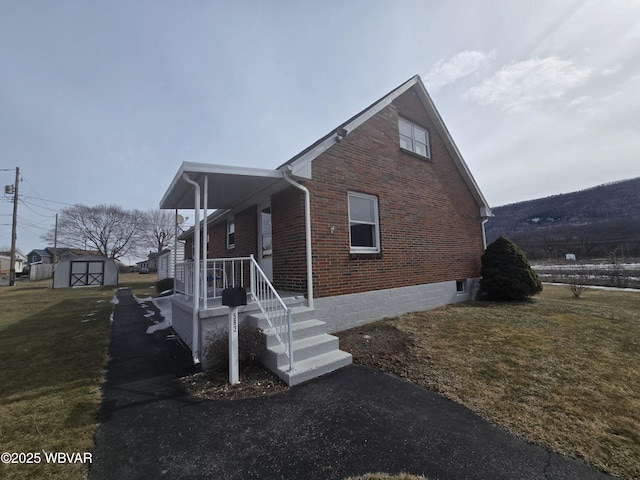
[(159, 229), (111, 230)]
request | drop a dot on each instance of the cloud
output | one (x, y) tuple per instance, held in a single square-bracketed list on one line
[(460, 65), (611, 71), (517, 86)]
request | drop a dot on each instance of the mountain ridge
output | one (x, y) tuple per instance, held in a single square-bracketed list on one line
[(603, 220)]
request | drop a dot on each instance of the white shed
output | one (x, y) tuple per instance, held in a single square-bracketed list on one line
[(85, 270)]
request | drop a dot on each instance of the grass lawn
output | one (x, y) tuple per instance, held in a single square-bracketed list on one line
[(53, 351), (559, 371)]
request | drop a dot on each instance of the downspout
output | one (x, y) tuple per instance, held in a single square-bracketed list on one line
[(307, 234), (485, 214), (195, 345), (484, 233)]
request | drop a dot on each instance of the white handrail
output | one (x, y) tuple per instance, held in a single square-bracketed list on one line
[(231, 272), (276, 312)]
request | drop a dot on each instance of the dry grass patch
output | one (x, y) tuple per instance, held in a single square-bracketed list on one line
[(141, 286), (558, 371), (53, 349)]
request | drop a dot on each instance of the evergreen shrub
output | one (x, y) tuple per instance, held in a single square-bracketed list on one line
[(506, 273)]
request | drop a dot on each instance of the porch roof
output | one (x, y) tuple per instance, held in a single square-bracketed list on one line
[(228, 186)]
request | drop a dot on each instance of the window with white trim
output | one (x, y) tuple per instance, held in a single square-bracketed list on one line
[(364, 227), (461, 286), (231, 233), (414, 138)]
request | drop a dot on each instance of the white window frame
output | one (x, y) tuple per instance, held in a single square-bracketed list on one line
[(376, 224), (231, 223), (461, 286), (411, 140)]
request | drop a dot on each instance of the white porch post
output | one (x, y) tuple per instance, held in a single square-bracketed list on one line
[(195, 348), (205, 246), (175, 248)]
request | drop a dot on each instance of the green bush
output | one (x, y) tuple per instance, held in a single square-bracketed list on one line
[(251, 346), (506, 273), (164, 285)]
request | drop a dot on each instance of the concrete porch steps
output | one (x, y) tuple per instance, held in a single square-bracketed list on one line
[(315, 352)]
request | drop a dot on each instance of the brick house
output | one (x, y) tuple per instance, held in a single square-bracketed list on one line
[(382, 213)]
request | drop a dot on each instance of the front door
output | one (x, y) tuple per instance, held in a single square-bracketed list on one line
[(264, 240)]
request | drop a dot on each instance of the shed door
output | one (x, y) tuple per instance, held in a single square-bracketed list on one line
[(87, 273)]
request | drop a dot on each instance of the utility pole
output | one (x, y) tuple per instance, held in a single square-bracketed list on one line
[(55, 244), (12, 271)]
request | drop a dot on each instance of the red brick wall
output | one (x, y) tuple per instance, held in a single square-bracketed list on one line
[(246, 237), (430, 225), (288, 237)]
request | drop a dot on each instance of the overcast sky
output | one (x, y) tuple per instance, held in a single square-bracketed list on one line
[(100, 101)]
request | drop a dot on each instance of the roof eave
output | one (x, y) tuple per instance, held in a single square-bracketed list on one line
[(485, 209), (299, 165)]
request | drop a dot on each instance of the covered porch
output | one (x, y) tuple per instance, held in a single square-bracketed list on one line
[(200, 281), (225, 191)]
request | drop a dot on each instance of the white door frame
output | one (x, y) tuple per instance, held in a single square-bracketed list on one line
[(265, 261)]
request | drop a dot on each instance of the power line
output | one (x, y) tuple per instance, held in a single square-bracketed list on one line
[(30, 223), (26, 204), (46, 200), (33, 188)]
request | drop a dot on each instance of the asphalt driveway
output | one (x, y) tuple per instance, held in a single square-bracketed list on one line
[(354, 421)]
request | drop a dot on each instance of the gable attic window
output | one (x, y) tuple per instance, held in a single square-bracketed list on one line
[(364, 227), (231, 233), (413, 138)]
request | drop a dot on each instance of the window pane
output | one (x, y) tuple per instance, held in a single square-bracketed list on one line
[(419, 135), (405, 143), (362, 236), (421, 149), (231, 233), (361, 209), (266, 242), (404, 127)]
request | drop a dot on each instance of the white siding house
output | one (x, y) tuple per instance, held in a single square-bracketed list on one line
[(167, 260)]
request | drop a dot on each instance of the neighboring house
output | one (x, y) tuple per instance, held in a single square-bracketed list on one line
[(379, 217), (65, 253), (167, 260), (5, 263), (43, 256), (41, 262), (151, 263), (46, 255)]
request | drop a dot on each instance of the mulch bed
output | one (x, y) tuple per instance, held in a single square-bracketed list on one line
[(255, 381)]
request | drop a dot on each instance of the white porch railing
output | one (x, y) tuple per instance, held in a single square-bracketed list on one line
[(244, 272), (275, 311), (219, 274)]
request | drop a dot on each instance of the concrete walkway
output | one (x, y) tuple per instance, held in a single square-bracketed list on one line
[(354, 421)]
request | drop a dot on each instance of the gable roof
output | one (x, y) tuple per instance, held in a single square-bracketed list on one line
[(300, 164), (232, 188), (42, 253)]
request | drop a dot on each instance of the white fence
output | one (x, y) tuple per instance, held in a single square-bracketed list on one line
[(40, 271)]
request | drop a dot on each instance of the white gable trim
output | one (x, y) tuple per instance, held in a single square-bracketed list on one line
[(301, 167)]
